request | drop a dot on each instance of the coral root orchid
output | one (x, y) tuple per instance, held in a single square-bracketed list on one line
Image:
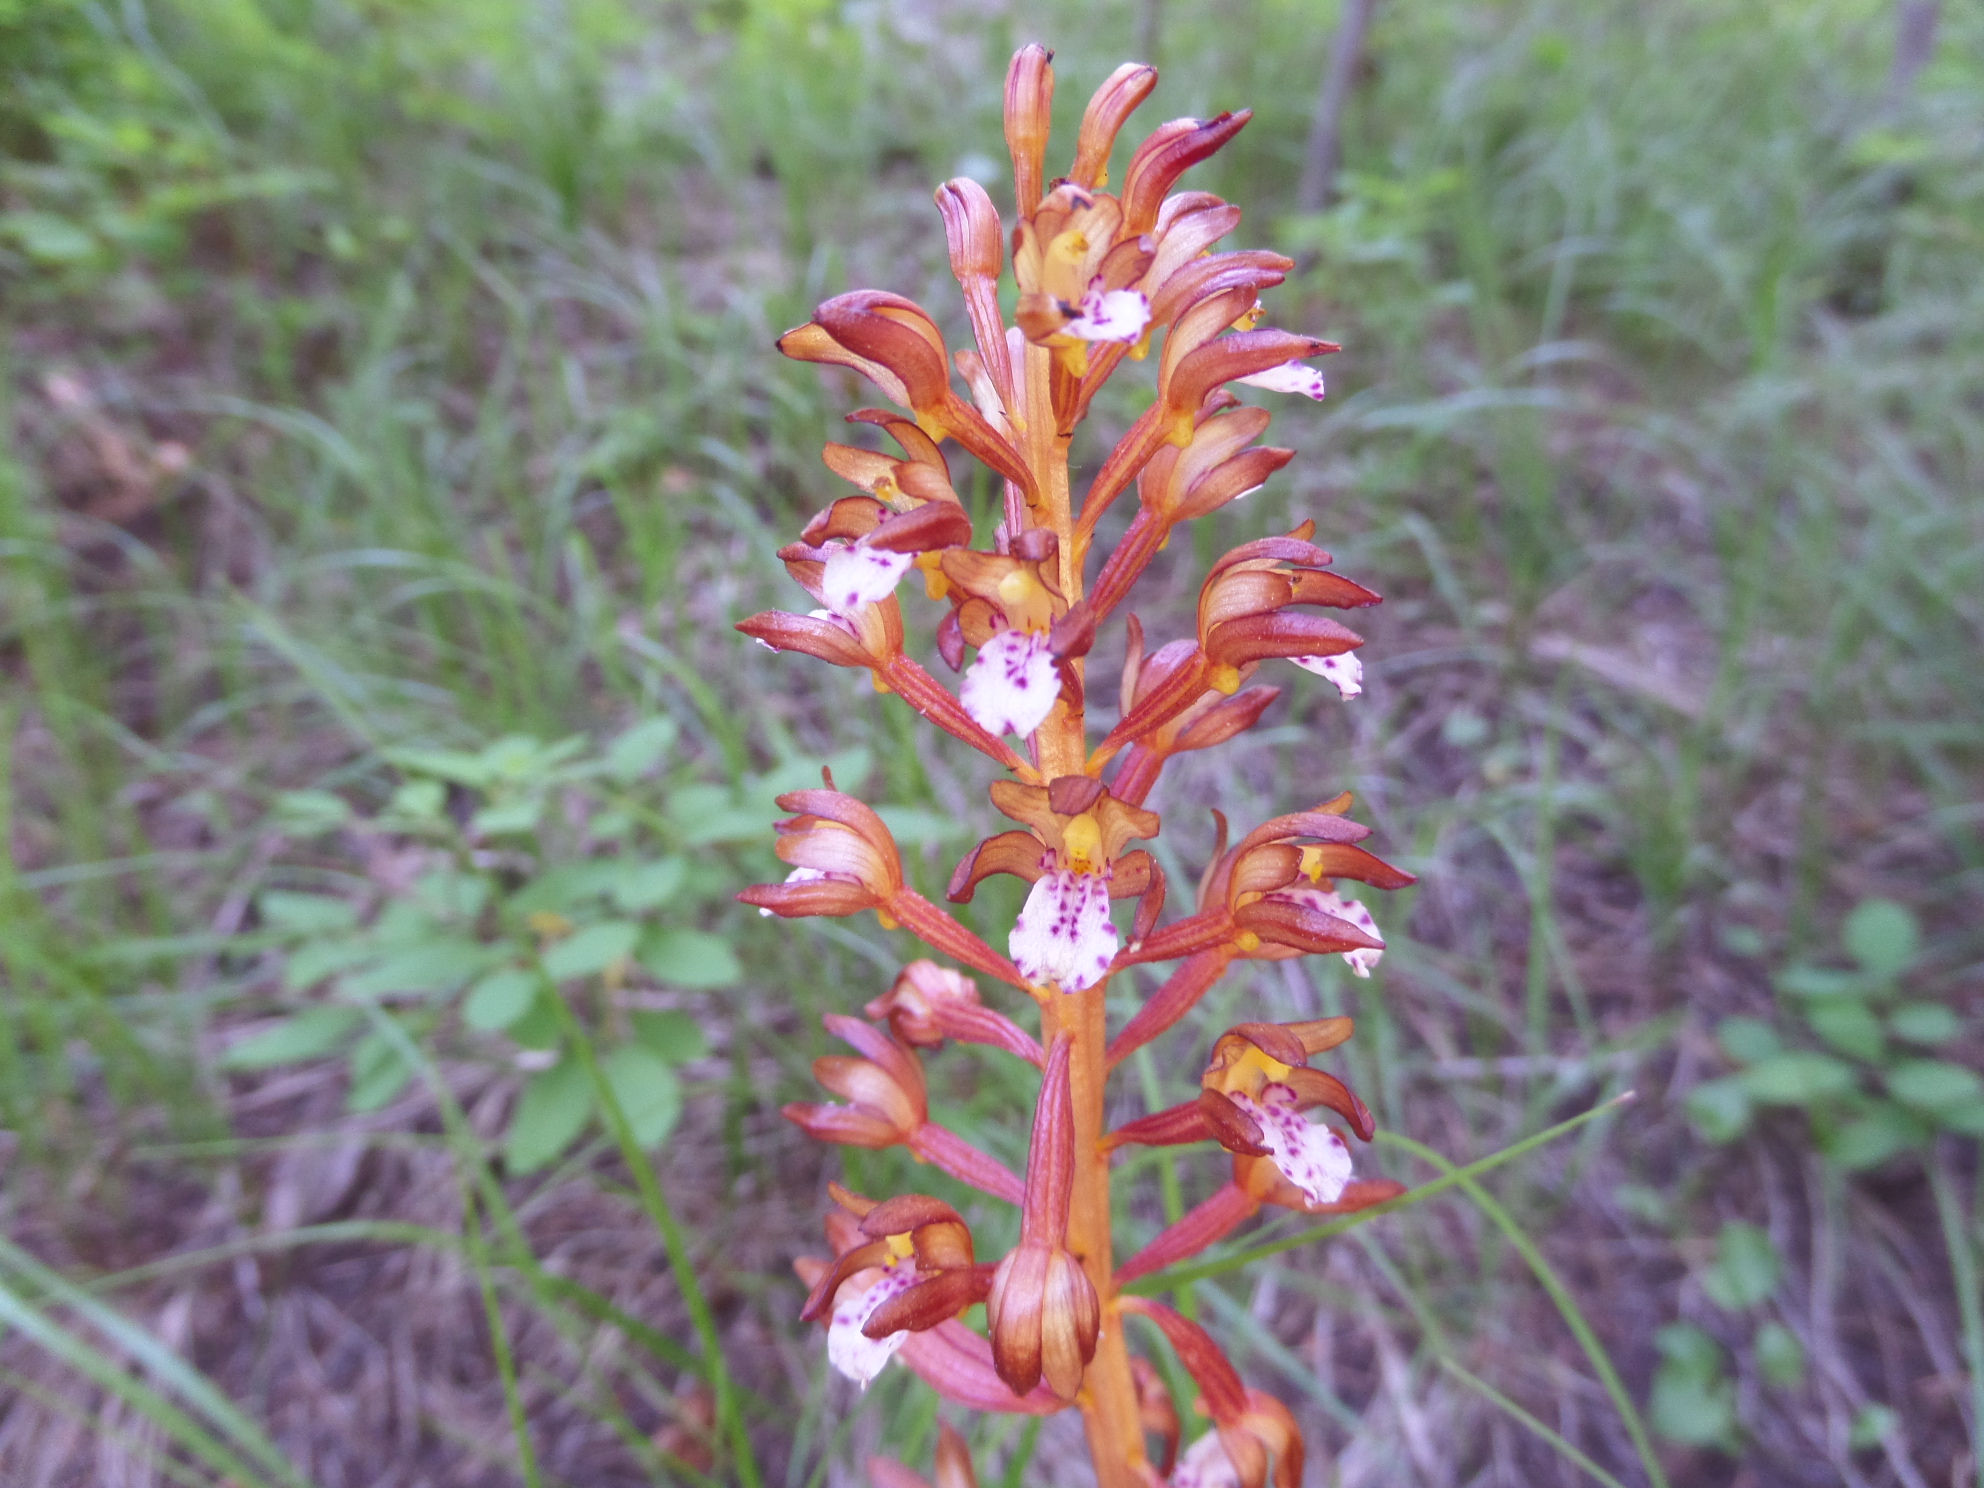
[(1101, 279)]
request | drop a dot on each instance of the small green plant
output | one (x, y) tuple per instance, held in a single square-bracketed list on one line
[(1694, 1398), (1852, 1050), (537, 872)]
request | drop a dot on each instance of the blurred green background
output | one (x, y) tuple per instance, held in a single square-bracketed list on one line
[(393, 434)]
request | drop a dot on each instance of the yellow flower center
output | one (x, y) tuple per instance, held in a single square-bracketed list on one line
[(1025, 600), (1081, 844)]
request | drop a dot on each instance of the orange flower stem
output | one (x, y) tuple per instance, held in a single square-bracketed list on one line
[(1108, 1398)]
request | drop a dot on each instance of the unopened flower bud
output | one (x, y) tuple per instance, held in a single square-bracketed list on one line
[(1029, 117), (1113, 103), (1044, 1319)]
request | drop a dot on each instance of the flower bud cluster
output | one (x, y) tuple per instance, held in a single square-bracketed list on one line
[(1102, 279)]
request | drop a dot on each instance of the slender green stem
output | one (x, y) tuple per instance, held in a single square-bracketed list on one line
[(717, 1371), (1164, 1281), (1959, 1241), (499, 1336), (1567, 1305), (1022, 1457), (1509, 1407)]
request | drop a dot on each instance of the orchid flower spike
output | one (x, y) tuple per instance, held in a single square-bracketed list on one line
[(1116, 266)]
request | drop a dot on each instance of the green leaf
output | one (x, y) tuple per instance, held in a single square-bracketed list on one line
[(1934, 1085), (649, 885), (646, 1088), (1719, 1109), (403, 922), (518, 814), (567, 887), (550, 1114), (425, 966), (1924, 1023), (1780, 1356), (1873, 1425), (1883, 937), (451, 895), (1746, 1268), (913, 826), (1798, 1079), (703, 825), (1885, 1131), (1742, 940), (539, 1027), (305, 914), (52, 241), (1747, 1040), (690, 958), (452, 765), (1849, 1026), (641, 748), (499, 999), (591, 950), (1966, 1118), (304, 813), (1821, 981), (308, 1035), (422, 800), (1693, 1402), (673, 1037), (377, 1073), (323, 958), (850, 768)]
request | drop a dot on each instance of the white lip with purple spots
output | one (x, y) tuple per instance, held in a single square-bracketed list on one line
[(1109, 315), (856, 576), (1289, 377), (1013, 684), (1064, 934), (1345, 672), (853, 1352), (1310, 1156)]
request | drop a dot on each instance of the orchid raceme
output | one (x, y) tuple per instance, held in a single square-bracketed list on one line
[(1105, 280)]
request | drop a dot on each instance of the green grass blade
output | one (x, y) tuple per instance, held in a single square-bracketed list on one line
[(1164, 1281), (1508, 1407), (263, 1464), (18, 1386), (499, 1336), (717, 1371), (1567, 1305), (1959, 1242)]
